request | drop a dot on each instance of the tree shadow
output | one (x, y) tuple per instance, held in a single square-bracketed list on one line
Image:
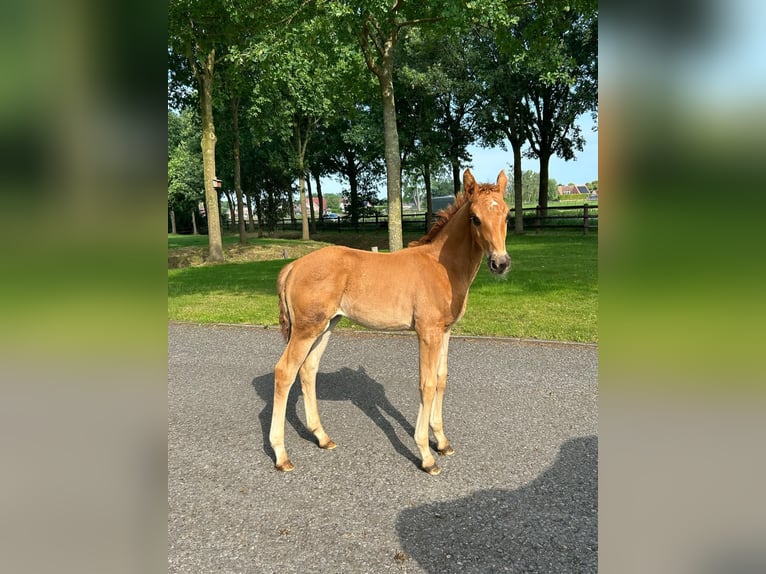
[(548, 525), (356, 387)]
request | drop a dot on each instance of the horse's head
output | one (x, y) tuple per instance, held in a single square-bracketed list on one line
[(488, 214)]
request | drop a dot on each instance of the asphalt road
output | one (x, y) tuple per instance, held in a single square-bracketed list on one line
[(519, 495)]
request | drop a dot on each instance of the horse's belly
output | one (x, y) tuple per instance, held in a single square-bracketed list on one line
[(378, 316)]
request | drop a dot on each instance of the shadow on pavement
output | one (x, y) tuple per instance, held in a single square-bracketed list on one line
[(548, 525), (348, 385)]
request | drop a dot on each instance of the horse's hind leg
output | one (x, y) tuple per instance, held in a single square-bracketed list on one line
[(308, 374), (284, 377), (437, 424)]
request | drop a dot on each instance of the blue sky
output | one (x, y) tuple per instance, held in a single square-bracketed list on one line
[(488, 162), (584, 168)]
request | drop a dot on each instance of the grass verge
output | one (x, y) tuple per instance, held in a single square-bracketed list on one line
[(550, 293)]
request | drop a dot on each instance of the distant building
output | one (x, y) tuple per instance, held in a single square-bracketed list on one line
[(315, 201), (573, 189)]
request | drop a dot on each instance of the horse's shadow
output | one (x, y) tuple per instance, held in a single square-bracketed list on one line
[(348, 385)]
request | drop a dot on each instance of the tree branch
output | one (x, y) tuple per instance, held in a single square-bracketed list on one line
[(377, 36), (288, 20), (419, 21), (368, 59)]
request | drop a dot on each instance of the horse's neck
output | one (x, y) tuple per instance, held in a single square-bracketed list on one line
[(456, 249)]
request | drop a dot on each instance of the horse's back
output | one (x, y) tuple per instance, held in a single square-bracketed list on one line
[(376, 290)]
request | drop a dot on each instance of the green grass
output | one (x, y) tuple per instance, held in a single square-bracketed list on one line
[(550, 293)]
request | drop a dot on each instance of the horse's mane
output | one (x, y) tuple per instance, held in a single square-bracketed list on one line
[(443, 216)]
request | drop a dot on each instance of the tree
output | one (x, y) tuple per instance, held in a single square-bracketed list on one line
[(380, 27), (377, 24), (200, 33), (233, 86), (422, 141), (504, 115), (540, 75), (193, 39), (309, 74), (351, 146), (184, 168), (564, 41), (530, 186)]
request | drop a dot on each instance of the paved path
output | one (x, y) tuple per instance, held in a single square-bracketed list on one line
[(520, 494)]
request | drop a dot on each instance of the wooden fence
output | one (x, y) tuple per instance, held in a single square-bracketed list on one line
[(583, 217)]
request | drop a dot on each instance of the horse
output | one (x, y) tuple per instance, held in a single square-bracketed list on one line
[(422, 288)]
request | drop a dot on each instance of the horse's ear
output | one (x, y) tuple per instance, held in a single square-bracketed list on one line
[(469, 183), (502, 181)]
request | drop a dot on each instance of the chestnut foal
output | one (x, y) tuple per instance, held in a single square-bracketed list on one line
[(422, 288)]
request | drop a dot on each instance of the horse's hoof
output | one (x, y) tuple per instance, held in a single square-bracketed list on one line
[(285, 466), (446, 451), (329, 445), (433, 470)]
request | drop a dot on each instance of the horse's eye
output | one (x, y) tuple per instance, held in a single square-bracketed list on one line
[(475, 220)]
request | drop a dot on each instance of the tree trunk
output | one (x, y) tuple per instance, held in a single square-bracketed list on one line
[(271, 209), (259, 212), (205, 79), (313, 221), (304, 211), (173, 222), (456, 184), (302, 187), (429, 197), (291, 205), (250, 221), (543, 189), (230, 201), (353, 186), (194, 222), (237, 171), (320, 199), (518, 196), (301, 143), (391, 139), (380, 61)]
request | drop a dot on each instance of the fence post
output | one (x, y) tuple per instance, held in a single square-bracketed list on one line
[(585, 219)]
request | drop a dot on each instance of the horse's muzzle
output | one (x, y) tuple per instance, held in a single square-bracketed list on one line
[(499, 264)]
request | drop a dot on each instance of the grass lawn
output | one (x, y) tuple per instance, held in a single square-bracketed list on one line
[(550, 293)]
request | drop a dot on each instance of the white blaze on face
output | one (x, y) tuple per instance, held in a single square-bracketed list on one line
[(492, 205)]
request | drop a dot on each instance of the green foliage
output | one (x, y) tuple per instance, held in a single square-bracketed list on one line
[(464, 72), (530, 187), (333, 202), (185, 184)]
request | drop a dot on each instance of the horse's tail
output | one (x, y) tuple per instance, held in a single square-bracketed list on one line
[(285, 322)]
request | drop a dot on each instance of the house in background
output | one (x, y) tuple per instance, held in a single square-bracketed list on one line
[(573, 189), (315, 201)]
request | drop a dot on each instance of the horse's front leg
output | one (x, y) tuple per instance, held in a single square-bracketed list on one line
[(437, 424), (430, 349)]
